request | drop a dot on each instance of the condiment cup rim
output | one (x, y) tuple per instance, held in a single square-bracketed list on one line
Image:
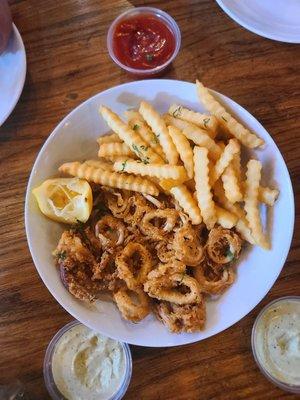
[(144, 10), (47, 366), (283, 385)]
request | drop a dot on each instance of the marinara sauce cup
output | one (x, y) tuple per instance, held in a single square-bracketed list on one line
[(162, 18)]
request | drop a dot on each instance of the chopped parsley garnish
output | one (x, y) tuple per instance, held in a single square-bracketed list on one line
[(229, 254), (145, 148), (124, 165), (149, 57), (206, 121), (139, 152), (135, 127), (62, 255), (177, 111), (224, 119)]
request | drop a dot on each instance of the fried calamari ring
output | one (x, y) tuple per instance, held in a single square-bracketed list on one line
[(223, 245), (133, 305), (171, 283), (134, 264), (106, 272), (110, 231), (181, 318), (212, 281), (165, 251), (187, 245), (156, 230)]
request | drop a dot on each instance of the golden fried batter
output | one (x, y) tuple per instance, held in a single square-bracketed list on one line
[(223, 245)]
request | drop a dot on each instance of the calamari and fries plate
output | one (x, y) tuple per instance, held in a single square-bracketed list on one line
[(175, 152)]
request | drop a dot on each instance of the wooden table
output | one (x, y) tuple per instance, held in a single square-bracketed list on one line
[(67, 63)]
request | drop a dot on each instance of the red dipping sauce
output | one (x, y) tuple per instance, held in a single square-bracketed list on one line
[(144, 40)]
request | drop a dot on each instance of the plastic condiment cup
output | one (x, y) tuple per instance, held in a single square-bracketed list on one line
[(48, 374), (165, 18), (266, 373)]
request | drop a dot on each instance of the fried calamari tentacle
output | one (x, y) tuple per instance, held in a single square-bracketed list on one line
[(106, 272), (75, 262), (187, 245), (133, 305), (171, 283), (181, 318), (110, 231), (118, 203), (158, 223), (138, 207), (134, 264), (223, 245), (212, 281)]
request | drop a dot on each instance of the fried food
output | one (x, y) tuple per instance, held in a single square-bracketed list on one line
[(153, 170), (213, 281), (203, 188), (110, 231), (133, 305), (182, 318), (235, 128), (115, 149), (137, 123), (223, 245), (170, 282), (208, 122), (185, 199), (187, 245), (253, 175), (130, 137), (158, 126), (107, 178), (157, 224), (134, 263), (184, 149)]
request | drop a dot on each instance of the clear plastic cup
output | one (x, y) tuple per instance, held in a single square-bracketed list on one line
[(48, 375), (283, 385), (166, 18)]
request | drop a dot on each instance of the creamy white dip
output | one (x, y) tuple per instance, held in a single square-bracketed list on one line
[(87, 365), (277, 341)]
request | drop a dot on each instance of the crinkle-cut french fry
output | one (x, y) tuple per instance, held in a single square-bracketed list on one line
[(111, 179), (158, 126), (236, 163), (267, 195), (100, 164), (197, 135), (138, 124), (207, 122), (234, 127), (112, 137), (253, 176), (186, 200), (114, 149), (130, 137), (167, 184), (184, 149), (232, 148), (165, 171), (225, 218), (242, 225), (231, 185), (203, 189)]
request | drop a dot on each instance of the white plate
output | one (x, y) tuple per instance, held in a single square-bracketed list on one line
[(12, 74), (273, 19), (75, 139)]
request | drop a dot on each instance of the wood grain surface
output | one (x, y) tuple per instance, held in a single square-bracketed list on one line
[(67, 63)]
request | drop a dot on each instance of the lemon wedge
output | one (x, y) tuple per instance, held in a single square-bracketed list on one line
[(67, 200)]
